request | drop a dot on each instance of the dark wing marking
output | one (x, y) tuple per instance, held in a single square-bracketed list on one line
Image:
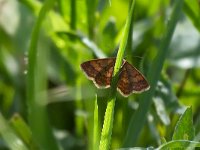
[(99, 71), (131, 80)]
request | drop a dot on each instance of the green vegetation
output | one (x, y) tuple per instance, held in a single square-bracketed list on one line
[(47, 103)]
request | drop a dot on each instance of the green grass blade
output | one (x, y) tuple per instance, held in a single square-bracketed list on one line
[(123, 43), (191, 8), (109, 114), (96, 125), (107, 125), (73, 14), (23, 131), (184, 128), (179, 144), (79, 106), (34, 6), (138, 119), (36, 87), (9, 136), (91, 7)]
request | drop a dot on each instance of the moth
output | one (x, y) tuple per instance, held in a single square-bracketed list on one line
[(130, 80)]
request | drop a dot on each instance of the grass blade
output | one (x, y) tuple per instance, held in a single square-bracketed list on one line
[(138, 119), (179, 144), (184, 128), (23, 131), (9, 136), (96, 125), (36, 87), (109, 114)]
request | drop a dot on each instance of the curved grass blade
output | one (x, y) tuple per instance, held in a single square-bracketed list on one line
[(138, 119)]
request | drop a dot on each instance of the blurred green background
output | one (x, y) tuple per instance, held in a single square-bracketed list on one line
[(60, 114)]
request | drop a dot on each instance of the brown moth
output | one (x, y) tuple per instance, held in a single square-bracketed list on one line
[(100, 72)]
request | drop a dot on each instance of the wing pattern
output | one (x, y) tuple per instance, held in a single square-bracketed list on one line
[(99, 71), (130, 79)]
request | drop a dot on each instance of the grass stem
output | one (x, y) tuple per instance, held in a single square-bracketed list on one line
[(109, 114)]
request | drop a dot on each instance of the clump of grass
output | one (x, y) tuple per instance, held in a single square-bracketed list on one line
[(61, 110)]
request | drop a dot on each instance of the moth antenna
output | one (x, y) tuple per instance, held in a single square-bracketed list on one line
[(140, 57)]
